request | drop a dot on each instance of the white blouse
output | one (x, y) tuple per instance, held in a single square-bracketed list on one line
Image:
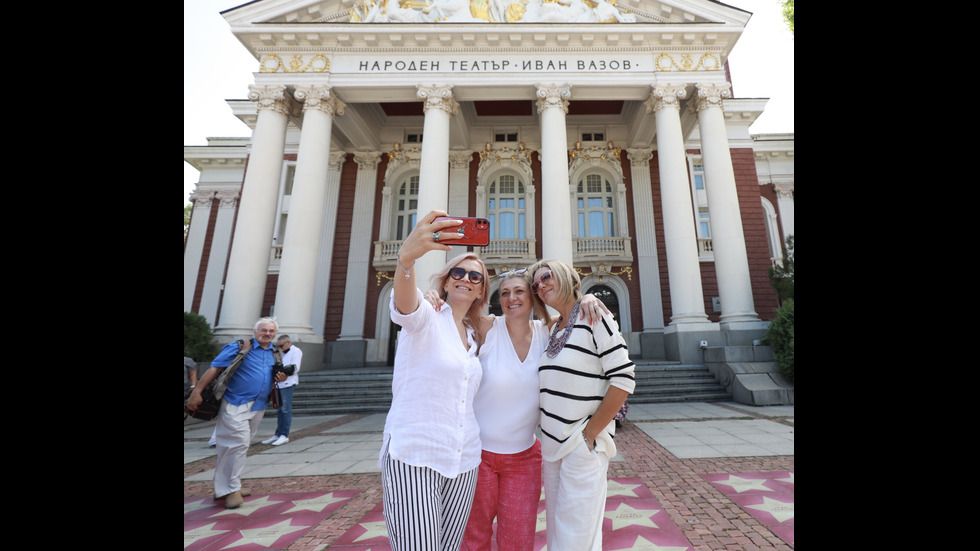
[(506, 405), (431, 421)]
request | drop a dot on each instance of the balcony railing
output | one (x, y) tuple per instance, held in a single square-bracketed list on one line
[(514, 252)]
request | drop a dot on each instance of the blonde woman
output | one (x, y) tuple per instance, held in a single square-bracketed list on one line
[(431, 449), (585, 377)]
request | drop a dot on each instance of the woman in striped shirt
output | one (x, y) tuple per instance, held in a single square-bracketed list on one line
[(585, 376)]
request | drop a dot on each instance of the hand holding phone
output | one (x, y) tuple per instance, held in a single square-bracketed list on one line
[(473, 231)]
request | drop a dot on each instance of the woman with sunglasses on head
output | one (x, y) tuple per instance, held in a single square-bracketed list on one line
[(585, 377), (507, 411), (431, 447)]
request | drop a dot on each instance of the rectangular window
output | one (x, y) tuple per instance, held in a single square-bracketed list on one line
[(413, 138), (505, 136)]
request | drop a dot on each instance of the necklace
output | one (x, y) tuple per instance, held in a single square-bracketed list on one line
[(556, 344)]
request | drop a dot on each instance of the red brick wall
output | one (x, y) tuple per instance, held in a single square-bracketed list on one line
[(341, 248)]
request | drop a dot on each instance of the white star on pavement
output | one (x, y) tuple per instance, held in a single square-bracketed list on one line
[(266, 536), (200, 533), (744, 484), (617, 489), (248, 507), (643, 544), (779, 510), (374, 529), (317, 504), (197, 505), (790, 479), (624, 516)]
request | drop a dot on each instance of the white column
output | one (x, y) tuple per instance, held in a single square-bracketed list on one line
[(194, 248), (301, 244), (784, 195), (556, 220), (248, 264), (434, 169), (727, 238), (331, 201), (361, 248), (680, 239), (646, 243), (224, 223), (459, 190)]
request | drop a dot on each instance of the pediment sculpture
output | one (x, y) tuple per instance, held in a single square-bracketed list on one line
[(483, 11)]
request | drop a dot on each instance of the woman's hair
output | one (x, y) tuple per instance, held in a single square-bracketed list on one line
[(479, 306), (538, 307), (567, 284)]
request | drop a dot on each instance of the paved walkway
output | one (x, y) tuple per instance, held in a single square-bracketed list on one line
[(689, 476)]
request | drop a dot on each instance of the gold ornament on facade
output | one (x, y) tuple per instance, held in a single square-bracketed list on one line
[(515, 11), (707, 62), (603, 271), (322, 64), (480, 9), (609, 151)]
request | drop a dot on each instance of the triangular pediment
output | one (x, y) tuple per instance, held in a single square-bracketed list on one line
[(484, 11)]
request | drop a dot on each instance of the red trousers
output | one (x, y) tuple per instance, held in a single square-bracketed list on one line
[(509, 488)]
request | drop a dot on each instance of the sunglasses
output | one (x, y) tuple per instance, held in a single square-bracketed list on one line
[(457, 273), (545, 278), (509, 273)]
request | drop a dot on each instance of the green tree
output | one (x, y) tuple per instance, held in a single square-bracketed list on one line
[(198, 337), (781, 276), (788, 11), (187, 218)]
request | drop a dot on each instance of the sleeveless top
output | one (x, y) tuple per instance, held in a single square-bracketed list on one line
[(506, 404)]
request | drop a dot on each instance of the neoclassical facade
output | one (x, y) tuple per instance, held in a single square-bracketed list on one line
[(603, 134)]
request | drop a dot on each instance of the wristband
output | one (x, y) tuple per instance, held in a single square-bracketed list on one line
[(588, 444)]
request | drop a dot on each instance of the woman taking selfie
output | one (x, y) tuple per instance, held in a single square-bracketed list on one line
[(431, 449), (585, 377)]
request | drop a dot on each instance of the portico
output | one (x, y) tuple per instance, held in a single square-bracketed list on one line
[(497, 120)]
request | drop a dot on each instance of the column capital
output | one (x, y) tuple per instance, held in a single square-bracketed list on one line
[(666, 95), (337, 160), (227, 197), (711, 95), (319, 97), (639, 157), (201, 198), (553, 95), (438, 97), (367, 160), (460, 159), (272, 97), (784, 190)]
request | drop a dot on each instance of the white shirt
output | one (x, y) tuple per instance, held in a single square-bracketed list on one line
[(294, 356), (506, 404), (431, 421)]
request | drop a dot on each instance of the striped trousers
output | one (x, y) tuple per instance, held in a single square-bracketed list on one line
[(424, 510)]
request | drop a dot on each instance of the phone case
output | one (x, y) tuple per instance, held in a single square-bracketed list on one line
[(475, 231)]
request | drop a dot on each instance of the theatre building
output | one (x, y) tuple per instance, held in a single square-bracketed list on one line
[(606, 135)]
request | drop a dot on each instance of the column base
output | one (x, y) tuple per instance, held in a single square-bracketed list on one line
[(345, 353), (682, 341)]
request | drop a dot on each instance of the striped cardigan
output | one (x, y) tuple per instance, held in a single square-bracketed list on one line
[(573, 383)]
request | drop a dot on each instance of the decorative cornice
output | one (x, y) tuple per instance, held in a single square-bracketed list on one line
[(639, 157), (367, 160), (227, 197)]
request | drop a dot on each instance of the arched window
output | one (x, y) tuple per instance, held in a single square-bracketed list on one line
[(406, 206), (595, 207), (506, 208), (495, 308)]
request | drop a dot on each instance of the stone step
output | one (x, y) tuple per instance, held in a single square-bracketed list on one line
[(368, 389)]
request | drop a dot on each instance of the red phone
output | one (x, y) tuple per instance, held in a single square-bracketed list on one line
[(475, 231)]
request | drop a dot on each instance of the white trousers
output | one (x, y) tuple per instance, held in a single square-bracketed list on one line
[(575, 499), (233, 433)]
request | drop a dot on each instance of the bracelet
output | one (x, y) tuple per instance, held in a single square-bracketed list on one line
[(404, 269), (588, 445)]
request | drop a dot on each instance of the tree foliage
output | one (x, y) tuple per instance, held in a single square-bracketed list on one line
[(781, 332), (187, 218), (788, 11), (198, 338)]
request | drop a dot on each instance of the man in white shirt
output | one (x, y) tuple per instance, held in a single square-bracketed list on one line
[(291, 355)]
